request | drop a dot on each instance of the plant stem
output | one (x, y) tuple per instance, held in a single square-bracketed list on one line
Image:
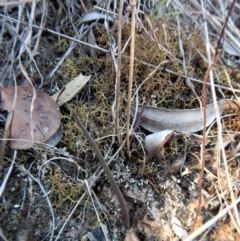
[(111, 179), (133, 9), (204, 105), (118, 74)]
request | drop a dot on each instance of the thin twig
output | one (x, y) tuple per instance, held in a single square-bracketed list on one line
[(2, 4), (178, 74), (94, 206), (209, 224), (4, 182), (204, 104), (118, 75), (213, 21), (133, 10), (2, 236), (70, 215), (54, 32)]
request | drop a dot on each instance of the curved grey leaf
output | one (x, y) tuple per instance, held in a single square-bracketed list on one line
[(157, 119)]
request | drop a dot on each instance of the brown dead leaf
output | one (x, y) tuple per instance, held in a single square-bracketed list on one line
[(227, 138), (36, 117)]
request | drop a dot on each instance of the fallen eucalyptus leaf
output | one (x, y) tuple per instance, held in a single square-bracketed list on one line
[(70, 89), (157, 119), (54, 139), (31, 122)]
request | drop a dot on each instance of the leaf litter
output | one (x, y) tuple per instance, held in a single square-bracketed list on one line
[(94, 107), (36, 117), (70, 90), (163, 121)]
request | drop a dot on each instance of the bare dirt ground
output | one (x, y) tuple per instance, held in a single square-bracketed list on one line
[(62, 193)]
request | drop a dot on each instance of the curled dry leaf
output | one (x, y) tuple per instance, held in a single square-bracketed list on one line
[(157, 119), (153, 140), (31, 122)]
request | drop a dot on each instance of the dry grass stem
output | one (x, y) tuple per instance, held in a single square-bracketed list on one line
[(118, 74), (4, 182), (204, 104), (4, 4), (130, 81), (70, 215), (209, 224)]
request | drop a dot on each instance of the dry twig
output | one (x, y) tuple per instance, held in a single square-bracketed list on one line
[(204, 104), (118, 75), (133, 10)]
